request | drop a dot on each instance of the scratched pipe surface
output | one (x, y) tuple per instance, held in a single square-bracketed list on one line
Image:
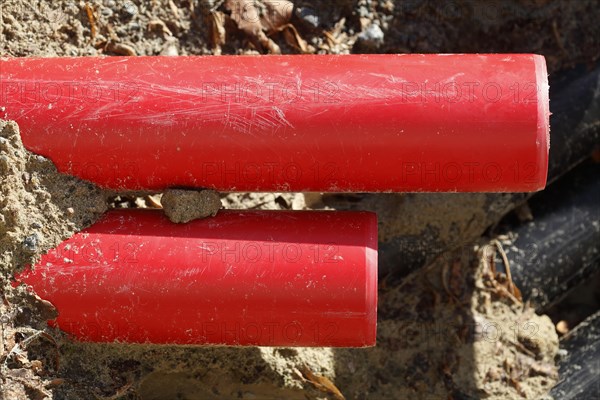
[(416, 228), (330, 123), (269, 278)]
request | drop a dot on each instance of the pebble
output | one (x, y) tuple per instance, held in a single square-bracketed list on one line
[(562, 354), (31, 242), (26, 177), (182, 206), (170, 50), (130, 9), (309, 16), (170, 47), (363, 12), (107, 12), (372, 36), (4, 163)]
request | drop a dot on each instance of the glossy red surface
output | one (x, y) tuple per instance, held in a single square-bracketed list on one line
[(270, 278), (329, 123)]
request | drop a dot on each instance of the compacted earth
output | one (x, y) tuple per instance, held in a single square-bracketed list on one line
[(453, 329)]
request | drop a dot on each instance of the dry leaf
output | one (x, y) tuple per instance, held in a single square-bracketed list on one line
[(245, 14), (120, 49), (293, 38), (322, 383), (159, 25), (91, 19), (217, 24), (174, 9), (278, 15), (153, 200), (54, 383), (275, 18)]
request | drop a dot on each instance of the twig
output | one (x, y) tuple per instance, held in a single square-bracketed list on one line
[(91, 19)]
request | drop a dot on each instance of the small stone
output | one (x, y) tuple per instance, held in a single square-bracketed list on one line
[(183, 206), (130, 9), (121, 32), (134, 26), (4, 144), (107, 12), (363, 12), (31, 242), (562, 327), (309, 16), (170, 50), (4, 163), (562, 354), (36, 225), (372, 36), (70, 211)]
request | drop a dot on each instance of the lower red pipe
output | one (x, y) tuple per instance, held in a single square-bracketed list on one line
[(327, 123), (242, 278)]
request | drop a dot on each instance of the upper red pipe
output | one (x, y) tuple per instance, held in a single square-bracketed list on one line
[(361, 123)]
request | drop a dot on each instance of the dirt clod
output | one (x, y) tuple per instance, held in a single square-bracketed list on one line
[(36, 202), (183, 206), (39, 208)]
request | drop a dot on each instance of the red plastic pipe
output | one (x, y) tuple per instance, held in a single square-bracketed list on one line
[(342, 123), (242, 278)]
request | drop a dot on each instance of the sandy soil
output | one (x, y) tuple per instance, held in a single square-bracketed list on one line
[(452, 330)]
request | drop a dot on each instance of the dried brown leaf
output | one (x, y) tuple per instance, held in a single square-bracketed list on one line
[(159, 25), (293, 38), (120, 49), (267, 43), (174, 9), (45, 309), (218, 33), (278, 14), (91, 19), (153, 201), (54, 383), (247, 18), (120, 392), (322, 383)]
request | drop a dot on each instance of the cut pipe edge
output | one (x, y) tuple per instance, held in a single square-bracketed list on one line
[(326, 123), (543, 125), (251, 278)]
